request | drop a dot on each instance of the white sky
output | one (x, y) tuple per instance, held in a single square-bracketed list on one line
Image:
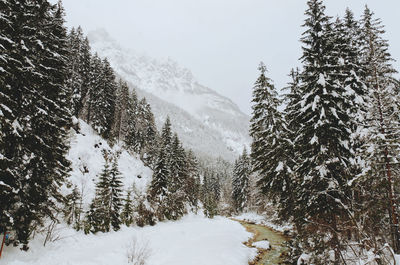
[(220, 41)]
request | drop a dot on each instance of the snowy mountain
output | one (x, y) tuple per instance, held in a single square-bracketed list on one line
[(207, 122)]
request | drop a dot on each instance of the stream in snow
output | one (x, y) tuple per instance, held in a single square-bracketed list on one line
[(263, 233)]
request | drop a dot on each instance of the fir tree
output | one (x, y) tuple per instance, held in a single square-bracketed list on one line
[(159, 185), (241, 182), (132, 123), (40, 118), (210, 194), (127, 217), (73, 208), (323, 139), (176, 197), (120, 121), (257, 126), (106, 206), (381, 146), (103, 101), (115, 193), (271, 145), (192, 183), (166, 135)]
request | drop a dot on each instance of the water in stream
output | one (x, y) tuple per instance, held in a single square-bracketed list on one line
[(276, 240)]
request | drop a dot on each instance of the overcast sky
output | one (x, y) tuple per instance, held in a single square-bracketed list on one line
[(220, 41)]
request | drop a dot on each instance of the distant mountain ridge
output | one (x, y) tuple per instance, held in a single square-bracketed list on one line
[(207, 122)]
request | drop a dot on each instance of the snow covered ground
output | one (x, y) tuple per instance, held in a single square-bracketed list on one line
[(87, 163), (194, 240)]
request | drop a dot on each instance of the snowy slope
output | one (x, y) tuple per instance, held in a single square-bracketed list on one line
[(194, 240), (221, 128), (87, 162)]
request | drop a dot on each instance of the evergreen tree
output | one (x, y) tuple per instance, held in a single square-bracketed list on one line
[(150, 136), (271, 146), (10, 98), (106, 205), (322, 142), (115, 193), (382, 145), (192, 183), (132, 123), (159, 184), (36, 108), (209, 194), (176, 197), (73, 208), (166, 135), (257, 122), (121, 113), (101, 105), (241, 182), (127, 217), (99, 218)]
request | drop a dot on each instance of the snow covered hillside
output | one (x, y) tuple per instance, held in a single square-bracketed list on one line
[(87, 162), (194, 240), (206, 121)]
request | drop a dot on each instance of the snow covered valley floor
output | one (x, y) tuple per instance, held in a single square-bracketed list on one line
[(193, 240)]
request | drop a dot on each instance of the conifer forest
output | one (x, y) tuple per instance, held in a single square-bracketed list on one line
[(108, 156)]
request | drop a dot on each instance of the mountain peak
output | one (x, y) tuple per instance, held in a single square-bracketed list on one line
[(165, 81)]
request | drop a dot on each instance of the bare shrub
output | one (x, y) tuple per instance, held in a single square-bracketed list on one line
[(138, 251)]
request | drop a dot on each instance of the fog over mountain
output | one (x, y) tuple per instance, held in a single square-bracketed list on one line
[(207, 122)]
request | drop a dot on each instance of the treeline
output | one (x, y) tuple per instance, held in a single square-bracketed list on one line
[(35, 114), (330, 160)]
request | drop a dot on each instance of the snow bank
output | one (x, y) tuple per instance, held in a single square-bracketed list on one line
[(264, 244), (194, 240), (262, 220)]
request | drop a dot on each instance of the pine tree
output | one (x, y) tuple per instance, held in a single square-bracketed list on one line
[(271, 145), (176, 197), (210, 194), (10, 98), (78, 64), (150, 136), (40, 118), (94, 87), (99, 217), (382, 146), (192, 183), (257, 126), (241, 182), (106, 205), (166, 135), (101, 105), (323, 140), (73, 208), (159, 185), (127, 217), (115, 193), (132, 123), (122, 108)]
